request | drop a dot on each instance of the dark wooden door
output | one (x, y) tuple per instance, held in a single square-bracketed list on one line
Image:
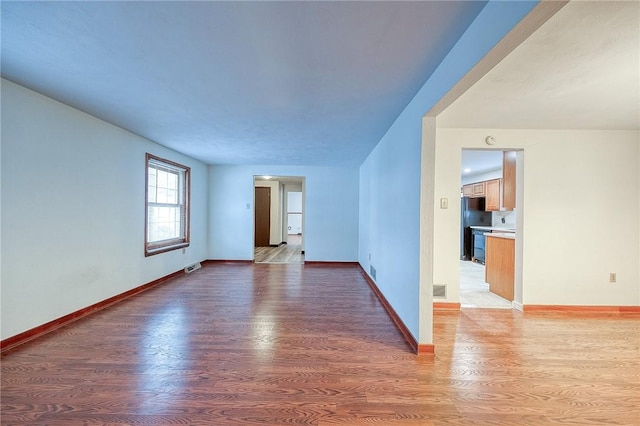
[(262, 216)]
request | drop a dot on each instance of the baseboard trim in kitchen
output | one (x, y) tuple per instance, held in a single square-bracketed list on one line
[(446, 306), (582, 308)]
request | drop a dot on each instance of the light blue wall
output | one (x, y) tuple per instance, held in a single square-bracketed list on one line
[(390, 176), (73, 191), (331, 211)]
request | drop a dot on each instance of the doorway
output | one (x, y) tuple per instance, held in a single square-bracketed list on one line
[(262, 216), (488, 184), (281, 240)]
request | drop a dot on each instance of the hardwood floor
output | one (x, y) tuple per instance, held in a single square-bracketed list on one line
[(310, 344), (285, 253)]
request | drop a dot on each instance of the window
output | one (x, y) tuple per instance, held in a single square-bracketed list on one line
[(167, 206)]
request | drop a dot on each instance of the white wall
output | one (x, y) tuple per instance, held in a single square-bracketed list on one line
[(581, 201), (73, 211), (330, 202), (275, 219), (294, 201)]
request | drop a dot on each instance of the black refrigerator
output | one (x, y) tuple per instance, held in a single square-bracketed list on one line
[(471, 214)]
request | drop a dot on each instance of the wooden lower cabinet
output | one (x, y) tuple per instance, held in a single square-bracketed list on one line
[(499, 265)]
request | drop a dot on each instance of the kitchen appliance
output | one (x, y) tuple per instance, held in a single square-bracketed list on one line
[(471, 214), (479, 240)]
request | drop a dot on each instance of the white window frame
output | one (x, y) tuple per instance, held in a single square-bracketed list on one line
[(180, 239)]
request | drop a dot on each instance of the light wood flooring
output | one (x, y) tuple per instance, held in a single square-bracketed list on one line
[(285, 253), (310, 344)]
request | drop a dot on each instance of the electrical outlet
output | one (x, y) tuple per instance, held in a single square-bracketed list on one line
[(444, 203), (612, 277)]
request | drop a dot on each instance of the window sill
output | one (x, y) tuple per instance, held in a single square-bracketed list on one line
[(163, 249)]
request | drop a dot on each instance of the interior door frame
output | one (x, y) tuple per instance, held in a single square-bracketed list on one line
[(283, 181), (517, 302)]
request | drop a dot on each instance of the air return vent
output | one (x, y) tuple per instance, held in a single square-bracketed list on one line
[(190, 268), (372, 272), (439, 291)]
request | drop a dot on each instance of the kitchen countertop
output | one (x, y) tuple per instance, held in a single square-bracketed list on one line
[(507, 235), (493, 228)]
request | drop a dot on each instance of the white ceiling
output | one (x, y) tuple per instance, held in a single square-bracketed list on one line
[(480, 161), (305, 83), (580, 70)]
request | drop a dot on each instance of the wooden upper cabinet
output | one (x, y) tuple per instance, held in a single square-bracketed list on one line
[(500, 193), (474, 190), (509, 180), (478, 189), (493, 193)]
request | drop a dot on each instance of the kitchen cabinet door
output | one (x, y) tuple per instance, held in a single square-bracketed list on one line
[(478, 189), (493, 193), (499, 266), (509, 183)]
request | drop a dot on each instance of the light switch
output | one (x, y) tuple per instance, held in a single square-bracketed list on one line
[(444, 203)]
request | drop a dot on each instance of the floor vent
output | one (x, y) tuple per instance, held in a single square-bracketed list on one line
[(190, 268), (439, 291)]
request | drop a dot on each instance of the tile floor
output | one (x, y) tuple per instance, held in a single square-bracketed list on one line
[(474, 291)]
